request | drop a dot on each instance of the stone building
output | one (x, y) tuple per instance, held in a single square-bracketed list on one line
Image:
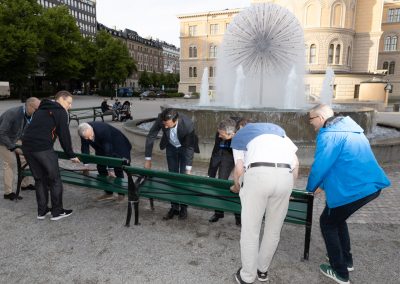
[(147, 53), (171, 55), (342, 34), (389, 52)]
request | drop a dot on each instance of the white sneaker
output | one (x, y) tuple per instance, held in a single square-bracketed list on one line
[(42, 217)]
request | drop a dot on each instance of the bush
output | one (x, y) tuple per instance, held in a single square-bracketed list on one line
[(195, 95), (175, 95)]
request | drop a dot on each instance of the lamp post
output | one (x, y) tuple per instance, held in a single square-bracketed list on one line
[(388, 89)]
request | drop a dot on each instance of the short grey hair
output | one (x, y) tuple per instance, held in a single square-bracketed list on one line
[(323, 111), (83, 127), (31, 101), (228, 125)]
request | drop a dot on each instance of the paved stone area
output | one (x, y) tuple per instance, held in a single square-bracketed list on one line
[(92, 246)]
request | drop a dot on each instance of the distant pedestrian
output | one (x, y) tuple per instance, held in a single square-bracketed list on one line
[(346, 169), (49, 122), (12, 125), (265, 168)]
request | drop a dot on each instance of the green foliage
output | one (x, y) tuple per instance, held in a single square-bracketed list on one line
[(19, 41), (144, 80), (62, 50), (113, 64)]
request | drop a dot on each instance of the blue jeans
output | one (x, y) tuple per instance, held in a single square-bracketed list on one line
[(336, 234), (176, 161)]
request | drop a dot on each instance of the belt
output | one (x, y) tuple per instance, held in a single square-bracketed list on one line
[(273, 165)]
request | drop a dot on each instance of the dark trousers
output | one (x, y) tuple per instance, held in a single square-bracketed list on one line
[(176, 160), (336, 234), (45, 171), (222, 163)]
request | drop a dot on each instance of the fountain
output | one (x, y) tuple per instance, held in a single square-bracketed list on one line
[(326, 94), (260, 73), (204, 90)]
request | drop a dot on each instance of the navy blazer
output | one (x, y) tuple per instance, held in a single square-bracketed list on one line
[(108, 141), (186, 136)]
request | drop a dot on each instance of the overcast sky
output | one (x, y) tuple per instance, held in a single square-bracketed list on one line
[(156, 18)]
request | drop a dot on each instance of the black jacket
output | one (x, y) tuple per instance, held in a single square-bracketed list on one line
[(186, 136), (221, 158), (108, 141), (49, 122), (12, 124)]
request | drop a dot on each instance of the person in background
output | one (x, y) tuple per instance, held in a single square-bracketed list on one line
[(49, 122), (345, 168), (265, 168), (221, 160), (107, 109), (12, 125), (180, 141), (107, 141)]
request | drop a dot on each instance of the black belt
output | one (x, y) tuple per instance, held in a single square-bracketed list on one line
[(273, 165)]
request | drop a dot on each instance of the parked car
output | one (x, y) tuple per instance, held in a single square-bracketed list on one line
[(147, 95), (125, 92), (77, 92), (161, 94)]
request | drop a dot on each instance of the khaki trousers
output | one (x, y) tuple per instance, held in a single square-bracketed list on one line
[(266, 190), (9, 163)]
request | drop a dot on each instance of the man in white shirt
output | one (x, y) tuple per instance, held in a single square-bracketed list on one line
[(265, 168)]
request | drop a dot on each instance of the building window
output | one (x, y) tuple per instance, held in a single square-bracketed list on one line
[(313, 54), (394, 15), (211, 72), (330, 54), (385, 65), (213, 51), (337, 15), (391, 67), (195, 72), (192, 51), (337, 54), (192, 30), (192, 89), (214, 29), (356, 91), (390, 43), (312, 17)]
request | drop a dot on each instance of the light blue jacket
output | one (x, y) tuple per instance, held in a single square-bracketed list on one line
[(344, 164)]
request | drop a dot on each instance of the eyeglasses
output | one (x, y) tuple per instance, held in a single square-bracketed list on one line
[(311, 118)]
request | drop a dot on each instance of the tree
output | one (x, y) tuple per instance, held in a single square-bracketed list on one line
[(62, 50), (155, 80), (88, 60), (19, 41), (144, 79), (113, 63)]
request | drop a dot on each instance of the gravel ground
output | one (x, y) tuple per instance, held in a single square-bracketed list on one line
[(93, 246)]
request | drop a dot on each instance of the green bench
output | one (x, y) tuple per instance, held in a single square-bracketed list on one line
[(208, 193), (86, 112), (77, 178), (196, 191)]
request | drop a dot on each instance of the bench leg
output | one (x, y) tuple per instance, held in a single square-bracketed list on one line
[(307, 240), (152, 204), (20, 177), (133, 197)]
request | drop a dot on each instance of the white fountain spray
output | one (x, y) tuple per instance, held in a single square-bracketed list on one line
[(204, 89), (238, 91), (267, 40), (326, 95)]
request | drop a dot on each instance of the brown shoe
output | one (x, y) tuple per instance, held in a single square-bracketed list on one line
[(105, 197)]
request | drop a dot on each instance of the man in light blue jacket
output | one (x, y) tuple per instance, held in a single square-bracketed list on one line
[(346, 169)]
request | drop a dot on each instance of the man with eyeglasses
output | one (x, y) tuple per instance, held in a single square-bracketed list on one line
[(12, 125), (49, 123), (346, 169), (180, 143)]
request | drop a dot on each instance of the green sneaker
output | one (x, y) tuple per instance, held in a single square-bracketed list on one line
[(350, 266), (328, 271)]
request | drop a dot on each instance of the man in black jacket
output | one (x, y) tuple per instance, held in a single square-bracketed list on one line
[(107, 141), (12, 125), (180, 142), (49, 122)]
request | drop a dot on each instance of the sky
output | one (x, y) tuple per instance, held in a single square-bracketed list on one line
[(156, 18)]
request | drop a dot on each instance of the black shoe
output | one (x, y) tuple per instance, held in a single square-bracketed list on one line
[(171, 213), (28, 187), (64, 214), (12, 196), (214, 218), (183, 213), (262, 276), (239, 279), (42, 217)]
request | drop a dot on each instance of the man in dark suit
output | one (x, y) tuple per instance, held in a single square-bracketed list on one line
[(107, 141), (180, 141)]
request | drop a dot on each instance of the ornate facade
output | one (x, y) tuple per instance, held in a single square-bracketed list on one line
[(342, 34)]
